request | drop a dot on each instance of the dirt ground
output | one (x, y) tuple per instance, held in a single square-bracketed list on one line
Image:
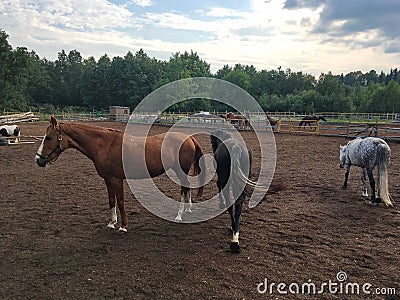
[(55, 244)]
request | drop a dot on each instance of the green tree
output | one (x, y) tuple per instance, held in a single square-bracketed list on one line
[(385, 99)]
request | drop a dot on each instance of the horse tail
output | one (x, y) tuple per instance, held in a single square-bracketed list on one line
[(383, 158), (199, 166), (240, 181)]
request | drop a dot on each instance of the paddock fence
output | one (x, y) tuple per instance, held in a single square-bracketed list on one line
[(349, 125)]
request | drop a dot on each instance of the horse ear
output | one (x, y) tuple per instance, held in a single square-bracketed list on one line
[(53, 121)]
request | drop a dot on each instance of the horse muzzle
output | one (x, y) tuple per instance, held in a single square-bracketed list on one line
[(41, 160)]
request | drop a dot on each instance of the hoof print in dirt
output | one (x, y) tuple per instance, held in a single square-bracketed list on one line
[(234, 247)]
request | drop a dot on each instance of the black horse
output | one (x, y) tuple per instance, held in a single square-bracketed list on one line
[(307, 120), (233, 161)]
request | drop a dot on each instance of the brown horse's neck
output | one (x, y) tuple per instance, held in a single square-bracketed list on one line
[(89, 140)]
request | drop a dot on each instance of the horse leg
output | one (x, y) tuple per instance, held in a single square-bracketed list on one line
[(364, 182), (230, 210), (111, 201), (119, 189), (189, 204), (222, 194), (346, 177), (184, 192), (234, 246), (373, 201)]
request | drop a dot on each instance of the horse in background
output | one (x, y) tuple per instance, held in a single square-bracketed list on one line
[(11, 130), (104, 147), (368, 153), (272, 121), (311, 119), (238, 120)]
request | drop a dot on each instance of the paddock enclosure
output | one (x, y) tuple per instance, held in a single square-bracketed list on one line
[(55, 244)]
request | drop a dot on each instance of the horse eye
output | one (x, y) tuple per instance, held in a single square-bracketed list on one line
[(48, 138)]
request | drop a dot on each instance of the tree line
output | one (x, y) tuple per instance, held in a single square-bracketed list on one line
[(28, 82)]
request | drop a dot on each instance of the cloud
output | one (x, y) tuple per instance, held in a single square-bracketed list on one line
[(346, 17), (393, 47), (356, 23), (221, 12), (142, 3), (295, 4), (309, 35), (255, 30), (69, 15)]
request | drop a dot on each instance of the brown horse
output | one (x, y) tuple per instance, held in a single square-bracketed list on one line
[(238, 120), (272, 120), (311, 119), (104, 147)]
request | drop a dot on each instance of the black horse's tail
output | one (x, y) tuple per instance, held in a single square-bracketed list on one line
[(383, 158), (199, 167), (240, 181)]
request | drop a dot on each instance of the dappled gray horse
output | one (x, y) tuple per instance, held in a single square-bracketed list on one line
[(368, 153)]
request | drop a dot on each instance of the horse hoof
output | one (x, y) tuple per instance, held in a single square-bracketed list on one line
[(378, 200), (111, 225), (178, 219), (344, 187), (235, 248), (122, 229), (188, 210)]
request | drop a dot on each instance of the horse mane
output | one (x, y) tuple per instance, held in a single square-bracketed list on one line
[(84, 126)]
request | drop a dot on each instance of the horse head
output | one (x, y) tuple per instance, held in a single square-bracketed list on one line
[(322, 118), (52, 144)]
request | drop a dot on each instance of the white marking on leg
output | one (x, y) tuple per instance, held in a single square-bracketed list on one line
[(181, 208), (365, 193), (113, 214), (189, 205), (123, 229), (18, 136), (235, 237), (40, 150)]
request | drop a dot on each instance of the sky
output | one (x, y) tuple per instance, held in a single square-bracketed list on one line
[(310, 36)]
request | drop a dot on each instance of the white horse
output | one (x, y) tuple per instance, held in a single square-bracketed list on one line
[(11, 130), (368, 153)]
